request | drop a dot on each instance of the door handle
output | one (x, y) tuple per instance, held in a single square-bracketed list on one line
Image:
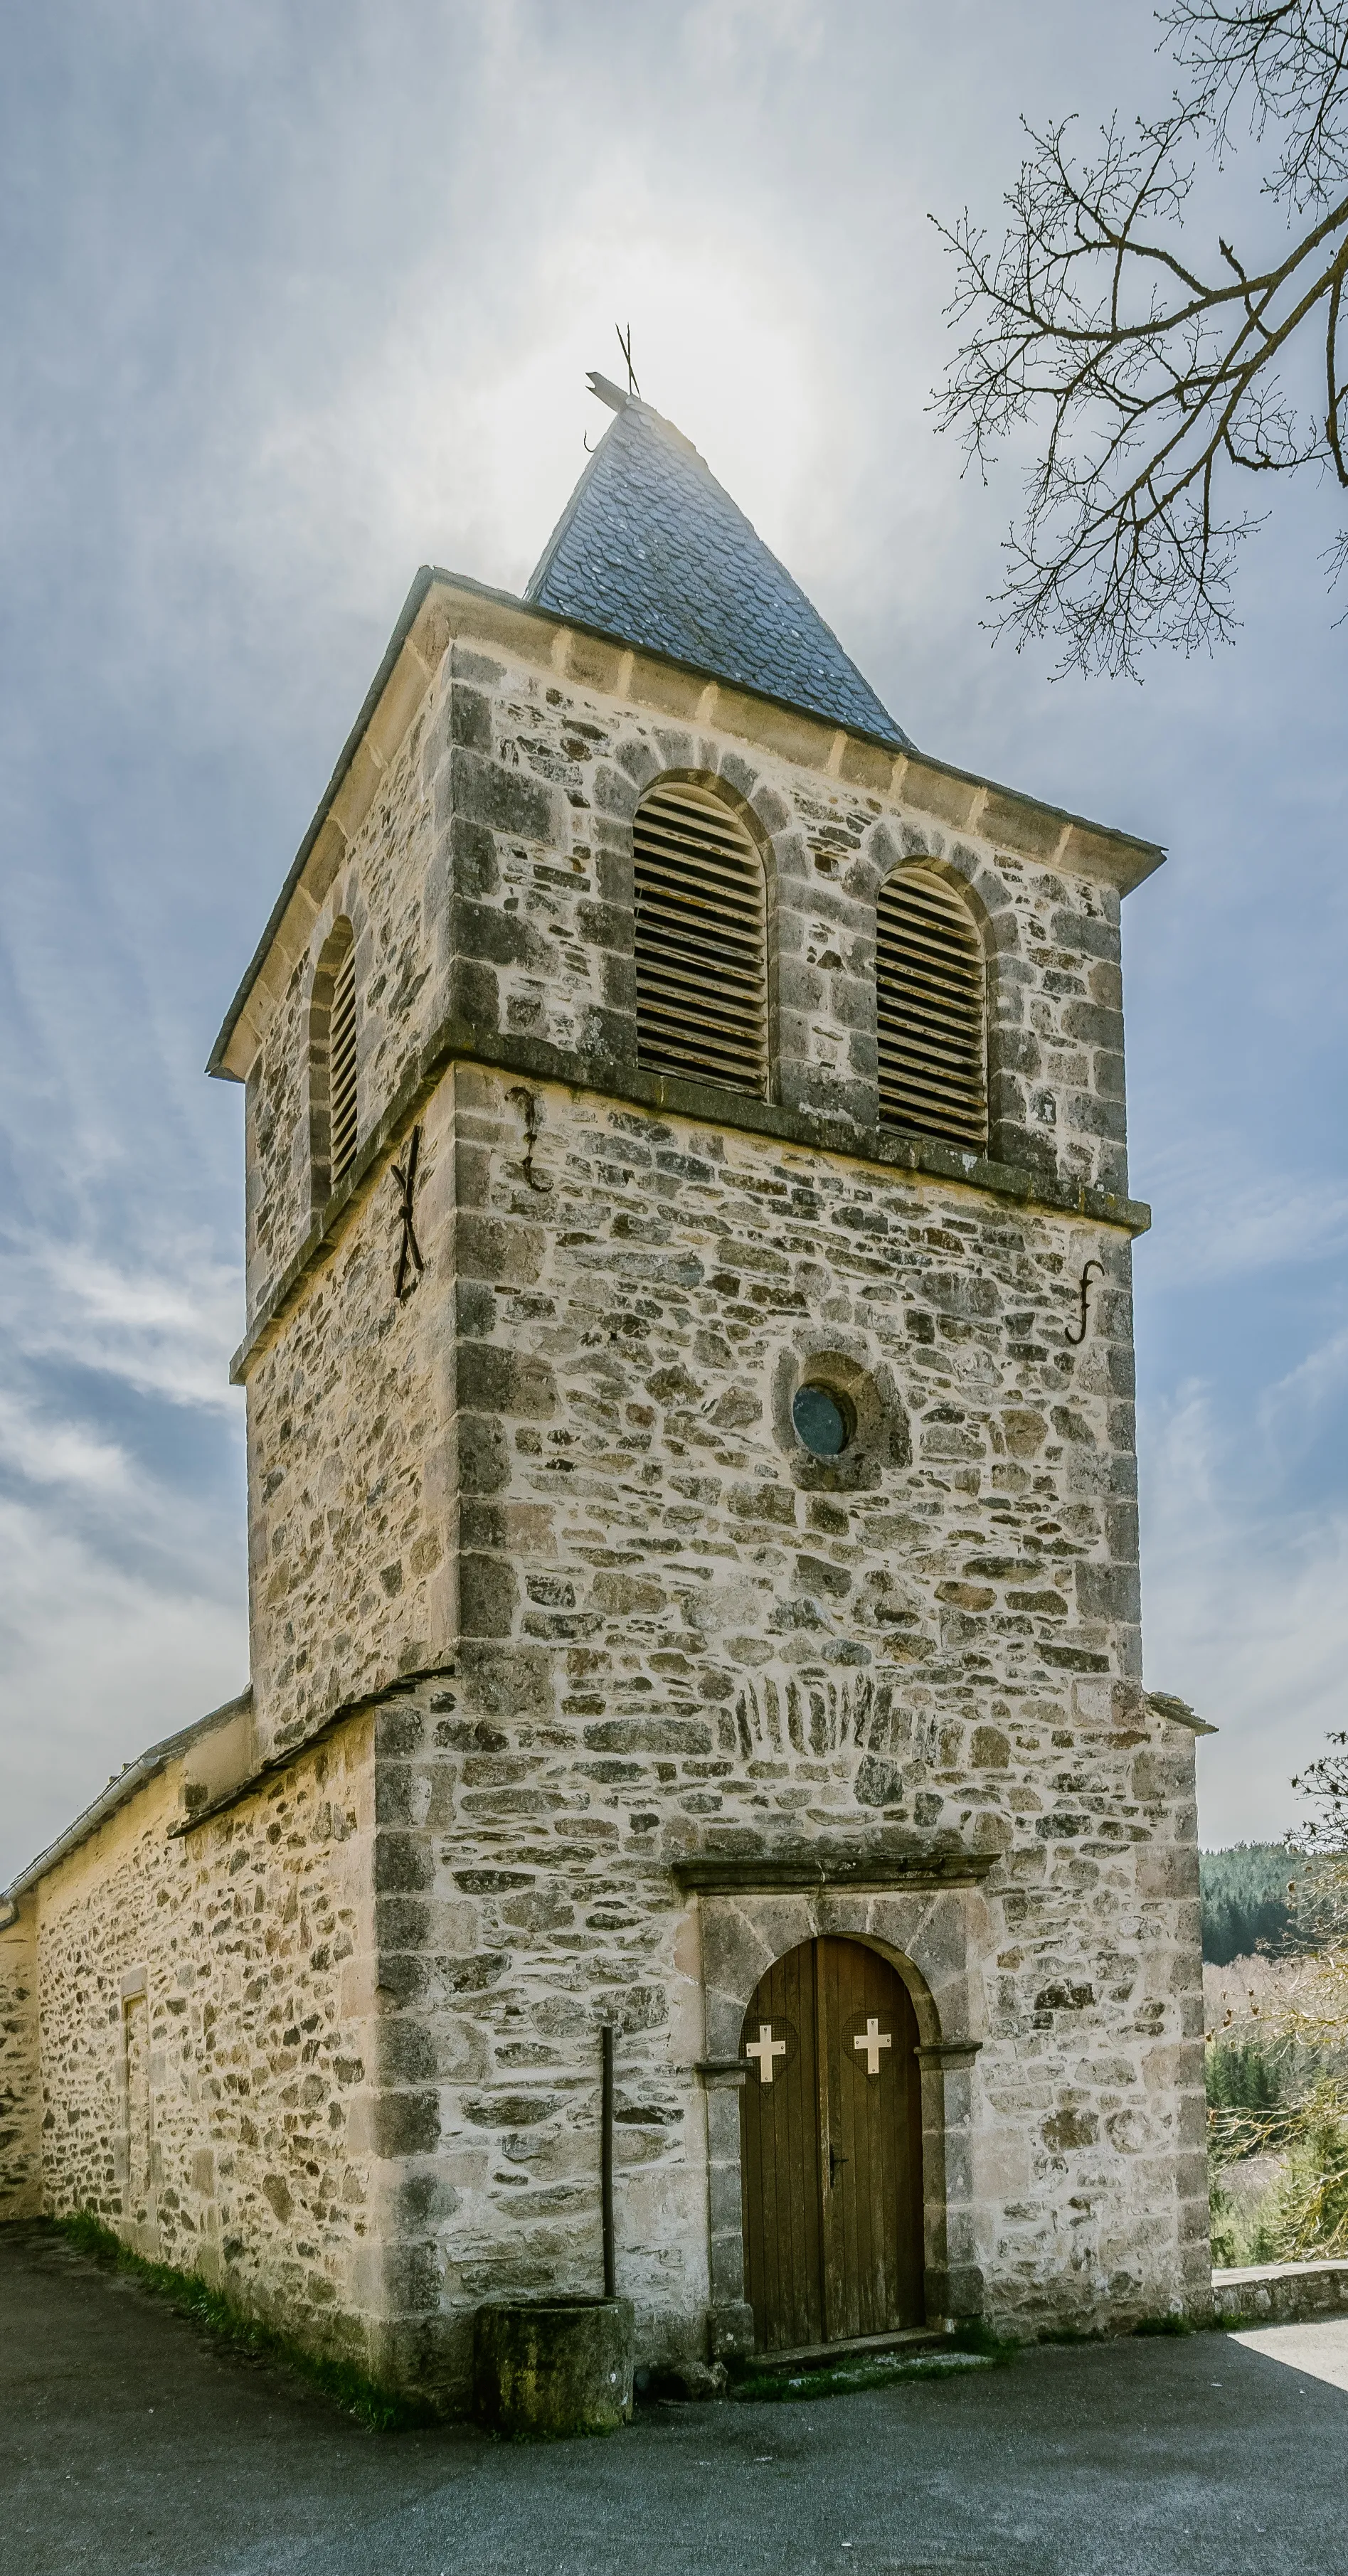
[(834, 2160)]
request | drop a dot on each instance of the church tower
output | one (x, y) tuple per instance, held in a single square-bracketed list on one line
[(693, 1533), (690, 1383)]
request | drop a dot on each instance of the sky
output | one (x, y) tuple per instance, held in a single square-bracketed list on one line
[(298, 296)]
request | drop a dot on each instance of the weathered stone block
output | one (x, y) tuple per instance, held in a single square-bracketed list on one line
[(483, 792)]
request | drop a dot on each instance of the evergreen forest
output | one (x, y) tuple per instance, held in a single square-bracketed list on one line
[(1245, 1902)]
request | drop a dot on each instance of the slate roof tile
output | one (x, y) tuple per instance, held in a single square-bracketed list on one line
[(651, 550)]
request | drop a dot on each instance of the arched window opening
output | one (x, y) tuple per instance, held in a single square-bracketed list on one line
[(334, 1125), (342, 1067), (931, 1011), (701, 941)]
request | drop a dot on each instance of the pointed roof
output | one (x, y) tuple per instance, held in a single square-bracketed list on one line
[(652, 551)]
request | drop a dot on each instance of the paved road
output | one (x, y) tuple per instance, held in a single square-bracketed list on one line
[(128, 2441)]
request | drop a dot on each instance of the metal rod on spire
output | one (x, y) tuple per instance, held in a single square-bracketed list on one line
[(626, 347)]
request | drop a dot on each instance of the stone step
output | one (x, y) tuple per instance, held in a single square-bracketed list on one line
[(825, 2356)]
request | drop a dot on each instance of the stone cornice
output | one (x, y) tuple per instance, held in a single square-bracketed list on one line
[(259, 1773)]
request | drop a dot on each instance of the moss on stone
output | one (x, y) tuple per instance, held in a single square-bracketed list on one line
[(384, 2410)]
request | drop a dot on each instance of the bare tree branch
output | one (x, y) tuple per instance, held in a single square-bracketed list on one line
[(1149, 381)]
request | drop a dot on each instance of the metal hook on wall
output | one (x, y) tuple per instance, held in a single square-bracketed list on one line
[(1084, 1293), (532, 1123), (410, 1263)]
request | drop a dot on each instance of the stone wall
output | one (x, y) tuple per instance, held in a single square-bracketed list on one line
[(352, 1569), (386, 890), (680, 1634), (20, 2107), (208, 2036)]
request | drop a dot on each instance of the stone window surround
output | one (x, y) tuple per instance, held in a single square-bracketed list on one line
[(133, 1988), (925, 1918), (888, 849), (343, 917)]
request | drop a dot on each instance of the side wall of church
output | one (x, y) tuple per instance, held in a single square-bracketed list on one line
[(20, 2104), (207, 2014)]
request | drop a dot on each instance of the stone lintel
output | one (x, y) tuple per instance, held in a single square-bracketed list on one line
[(736, 1873)]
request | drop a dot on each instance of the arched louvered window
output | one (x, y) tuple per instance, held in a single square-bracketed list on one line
[(931, 1011), (334, 1124), (342, 1067), (701, 941)]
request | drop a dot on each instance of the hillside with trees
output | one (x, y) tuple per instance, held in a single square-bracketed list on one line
[(1246, 1903)]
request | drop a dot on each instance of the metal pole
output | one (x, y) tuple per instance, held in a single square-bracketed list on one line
[(606, 2156)]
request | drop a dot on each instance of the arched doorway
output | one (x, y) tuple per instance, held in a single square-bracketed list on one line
[(831, 2149)]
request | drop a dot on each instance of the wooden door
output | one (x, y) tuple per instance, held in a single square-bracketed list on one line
[(831, 2142)]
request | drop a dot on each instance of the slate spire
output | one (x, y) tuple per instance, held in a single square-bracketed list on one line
[(652, 551)]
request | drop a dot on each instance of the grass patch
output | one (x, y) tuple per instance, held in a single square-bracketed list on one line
[(842, 2379), (1165, 2325), (382, 2410)]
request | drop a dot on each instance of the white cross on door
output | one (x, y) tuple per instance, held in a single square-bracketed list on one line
[(872, 2039), (765, 2048)]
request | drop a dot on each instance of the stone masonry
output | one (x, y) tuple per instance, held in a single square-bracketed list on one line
[(580, 1690)]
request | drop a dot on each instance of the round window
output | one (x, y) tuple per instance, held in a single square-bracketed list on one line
[(824, 1422)]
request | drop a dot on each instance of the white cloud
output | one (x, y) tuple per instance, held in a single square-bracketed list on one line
[(162, 1319), (1293, 1408), (58, 1453), (1219, 1216), (98, 1664)]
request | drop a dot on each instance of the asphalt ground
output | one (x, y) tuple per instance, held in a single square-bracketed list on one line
[(129, 2440)]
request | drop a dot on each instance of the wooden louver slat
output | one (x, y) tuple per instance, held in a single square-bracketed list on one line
[(930, 1012), (342, 1119), (701, 941)]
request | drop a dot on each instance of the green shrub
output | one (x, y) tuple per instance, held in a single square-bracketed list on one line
[(1305, 2215), (1233, 2235), (1247, 2075)]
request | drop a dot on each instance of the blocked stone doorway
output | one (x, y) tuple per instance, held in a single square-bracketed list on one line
[(831, 2149)]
